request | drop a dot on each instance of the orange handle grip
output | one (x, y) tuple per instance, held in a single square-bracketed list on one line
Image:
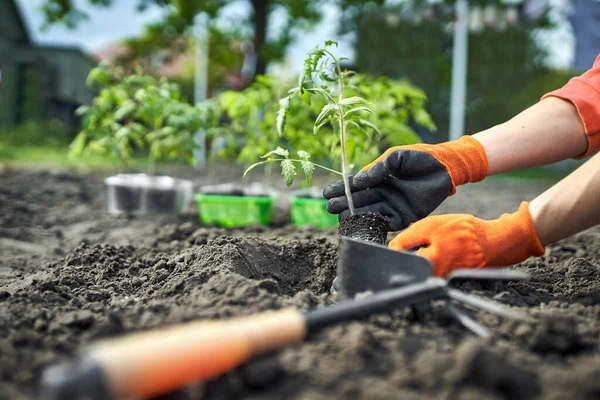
[(153, 363)]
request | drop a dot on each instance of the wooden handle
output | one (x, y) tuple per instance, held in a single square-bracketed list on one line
[(153, 363)]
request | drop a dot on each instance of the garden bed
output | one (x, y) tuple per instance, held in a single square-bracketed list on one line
[(70, 273)]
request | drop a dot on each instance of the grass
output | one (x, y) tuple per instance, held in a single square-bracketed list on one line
[(56, 156)]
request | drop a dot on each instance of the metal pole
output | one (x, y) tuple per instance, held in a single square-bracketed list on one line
[(459, 70), (200, 80)]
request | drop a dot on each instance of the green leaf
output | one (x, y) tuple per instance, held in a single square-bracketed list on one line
[(278, 151), (123, 132), (284, 107), (317, 127), (325, 77), (307, 166), (305, 96), (331, 42), (356, 125), (77, 146), (423, 118), (370, 125), (358, 109), (82, 110), (301, 81), (250, 168), (324, 115), (303, 155), (288, 170), (354, 100)]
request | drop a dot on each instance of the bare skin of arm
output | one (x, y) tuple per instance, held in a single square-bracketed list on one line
[(546, 132), (570, 206)]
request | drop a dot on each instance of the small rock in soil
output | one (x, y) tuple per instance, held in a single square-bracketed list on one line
[(76, 319), (262, 371)]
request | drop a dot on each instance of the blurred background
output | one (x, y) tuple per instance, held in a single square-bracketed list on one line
[(517, 51)]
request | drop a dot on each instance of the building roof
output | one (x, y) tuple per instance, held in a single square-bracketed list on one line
[(16, 10)]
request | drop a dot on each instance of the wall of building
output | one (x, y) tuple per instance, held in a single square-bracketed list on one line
[(67, 71)]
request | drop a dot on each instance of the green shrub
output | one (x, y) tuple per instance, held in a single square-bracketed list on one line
[(137, 112)]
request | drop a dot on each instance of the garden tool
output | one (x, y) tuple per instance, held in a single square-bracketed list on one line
[(367, 267), (147, 364)]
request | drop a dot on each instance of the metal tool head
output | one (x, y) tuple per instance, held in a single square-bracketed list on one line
[(370, 267)]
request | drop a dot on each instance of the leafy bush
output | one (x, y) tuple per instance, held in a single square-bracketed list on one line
[(137, 112), (251, 130)]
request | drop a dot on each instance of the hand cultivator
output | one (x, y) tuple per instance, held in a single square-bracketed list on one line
[(367, 267), (152, 363)]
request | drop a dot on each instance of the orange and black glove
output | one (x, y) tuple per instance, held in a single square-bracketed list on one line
[(455, 241), (406, 183)]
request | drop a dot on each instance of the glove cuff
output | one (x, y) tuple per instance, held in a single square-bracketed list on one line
[(464, 159), (509, 239)]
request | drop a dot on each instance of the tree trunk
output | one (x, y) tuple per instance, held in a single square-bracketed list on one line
[(260, 20)]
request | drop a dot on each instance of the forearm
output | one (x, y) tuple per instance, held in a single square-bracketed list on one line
[(570, 206), (547, 132)]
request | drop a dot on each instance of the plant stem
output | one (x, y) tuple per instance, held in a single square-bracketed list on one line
[(345, 172), (317, 165), (151, 166)]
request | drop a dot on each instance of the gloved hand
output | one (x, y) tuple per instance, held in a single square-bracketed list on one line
[(406, 183), (463, 241)]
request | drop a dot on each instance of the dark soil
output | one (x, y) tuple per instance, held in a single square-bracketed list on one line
[(368, 227), (70, 273), (128, 198), (161, 200)]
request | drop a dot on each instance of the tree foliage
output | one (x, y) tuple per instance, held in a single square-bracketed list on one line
[(502, 62), (299, 15)]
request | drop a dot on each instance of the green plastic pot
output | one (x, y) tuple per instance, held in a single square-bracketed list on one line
[(232, 211), (312, 212)]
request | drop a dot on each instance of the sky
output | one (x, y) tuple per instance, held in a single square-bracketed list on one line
[(120, 21)]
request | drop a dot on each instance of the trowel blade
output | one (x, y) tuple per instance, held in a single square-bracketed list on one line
[(370, 267)]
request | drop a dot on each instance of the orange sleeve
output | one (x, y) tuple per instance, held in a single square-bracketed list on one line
[(584, 92)]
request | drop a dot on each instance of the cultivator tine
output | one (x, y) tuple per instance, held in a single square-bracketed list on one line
[(486, 305), (468, 322), (493, 274)]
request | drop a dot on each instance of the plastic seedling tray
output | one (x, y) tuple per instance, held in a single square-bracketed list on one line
[(218, 207), (145, 194), (309, 208)]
